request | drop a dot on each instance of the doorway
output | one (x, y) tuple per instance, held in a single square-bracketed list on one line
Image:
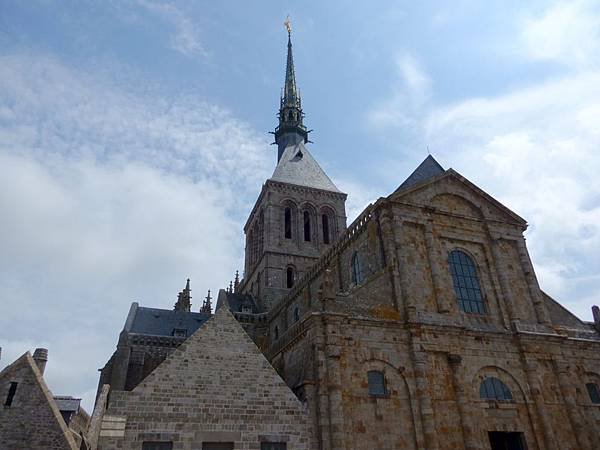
[(500, 440)]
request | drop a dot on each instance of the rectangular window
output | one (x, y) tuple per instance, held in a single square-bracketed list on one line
[(217, 446), (155, 445), (11, 393), (376, 383), (273, 446)]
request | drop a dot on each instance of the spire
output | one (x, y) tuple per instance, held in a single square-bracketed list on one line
[(236, 282), (207, 305), (291, 129), (184, 299)]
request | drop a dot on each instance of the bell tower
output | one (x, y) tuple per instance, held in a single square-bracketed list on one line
[(299, 212)]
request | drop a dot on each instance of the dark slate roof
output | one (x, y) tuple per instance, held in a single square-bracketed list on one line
[(162, 322), (237, 302), (429, 168), (67, 403), (297, 166)]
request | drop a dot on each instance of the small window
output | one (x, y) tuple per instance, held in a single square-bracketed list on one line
[(493, 389), (376, 381), (296, 314), (326, 237), (179, 332), (593, 392), (466, 282), (12, 390), (164, 445), (306, 226), (276, 332), (273, 446), (288, 223), (217, 446), (357, 275), (289, 277), (245, 309)]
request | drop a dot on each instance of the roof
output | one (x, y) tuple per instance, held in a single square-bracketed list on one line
[(67, 403), (238, 302), (162, 322), (429, 168), (297, 166)]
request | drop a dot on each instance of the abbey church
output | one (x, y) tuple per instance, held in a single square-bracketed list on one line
[(420, 325)]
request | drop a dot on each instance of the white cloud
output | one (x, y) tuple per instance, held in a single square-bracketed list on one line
[(111, 193), (186, 38), (567, 32), (410, 94)]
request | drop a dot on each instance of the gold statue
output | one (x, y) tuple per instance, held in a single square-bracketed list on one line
[(288, 24)]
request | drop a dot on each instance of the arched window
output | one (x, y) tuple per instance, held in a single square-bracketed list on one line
[(325, 221), (306, 226), (357, 275), (296, 314), (493, 389), (276, 332), (289, 277), (288, 223), (466, 282), (593, 392), (376, 381)]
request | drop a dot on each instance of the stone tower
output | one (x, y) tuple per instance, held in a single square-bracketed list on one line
[(299, 212)]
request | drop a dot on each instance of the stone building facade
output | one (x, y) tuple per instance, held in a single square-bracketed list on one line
[(419, 326), (30, 417)]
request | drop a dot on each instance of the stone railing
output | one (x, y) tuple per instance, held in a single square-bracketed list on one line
[(291, 335)]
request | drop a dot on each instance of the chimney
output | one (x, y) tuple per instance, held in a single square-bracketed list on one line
[(40, 356)]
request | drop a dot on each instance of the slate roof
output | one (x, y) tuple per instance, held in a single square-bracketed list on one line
[(237, 302), (162, 322), (429, 168), (67, 403), (297, 166)]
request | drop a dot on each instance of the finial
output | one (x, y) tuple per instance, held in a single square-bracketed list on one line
[(288, 24), (236, 282), (231, 286), (207, 305)]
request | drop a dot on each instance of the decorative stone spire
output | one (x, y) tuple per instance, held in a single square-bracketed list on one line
[(236, 282), (207, 304), (184, 299), (291, 129), (230, 287)]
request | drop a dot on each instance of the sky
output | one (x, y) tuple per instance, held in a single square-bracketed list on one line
[(134, 142)]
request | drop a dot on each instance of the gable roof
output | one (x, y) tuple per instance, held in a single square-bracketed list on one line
[(429, 168), (47, 421), (297, 166), (162, 322)]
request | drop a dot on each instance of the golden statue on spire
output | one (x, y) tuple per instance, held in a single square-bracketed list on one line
[(288, 24)]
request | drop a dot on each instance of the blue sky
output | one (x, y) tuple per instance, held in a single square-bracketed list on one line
[(133, 141)]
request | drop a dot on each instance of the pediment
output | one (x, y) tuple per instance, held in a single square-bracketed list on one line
[(454, 194)]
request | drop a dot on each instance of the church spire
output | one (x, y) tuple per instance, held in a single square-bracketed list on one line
[(291, 129)]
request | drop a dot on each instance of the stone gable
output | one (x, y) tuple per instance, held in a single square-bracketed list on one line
[(32, 421), (216, 387)]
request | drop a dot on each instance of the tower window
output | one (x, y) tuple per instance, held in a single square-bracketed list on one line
[(376, 381), (296, 314), (276, 332), (306, 226), (12, 390), (289, 277), (288, 223), (493, 389), (466, 282), (326, 237), (593, 392), (357, 275)]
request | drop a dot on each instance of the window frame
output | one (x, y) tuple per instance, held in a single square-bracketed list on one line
[(593, 391), (371, 384), (356, 268), (466, 282), (326, 226), (290, 277), (307, 226), (494, 389), (287, 223)]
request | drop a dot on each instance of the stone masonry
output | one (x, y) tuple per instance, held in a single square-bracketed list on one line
[(216, 387)]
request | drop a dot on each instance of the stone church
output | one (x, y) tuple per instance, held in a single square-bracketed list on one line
[(421, 325)]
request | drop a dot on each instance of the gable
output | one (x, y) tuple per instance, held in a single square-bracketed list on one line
[(33, 420), (452, 193)]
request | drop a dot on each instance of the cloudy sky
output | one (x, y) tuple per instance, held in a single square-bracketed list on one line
[(133, 141)]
